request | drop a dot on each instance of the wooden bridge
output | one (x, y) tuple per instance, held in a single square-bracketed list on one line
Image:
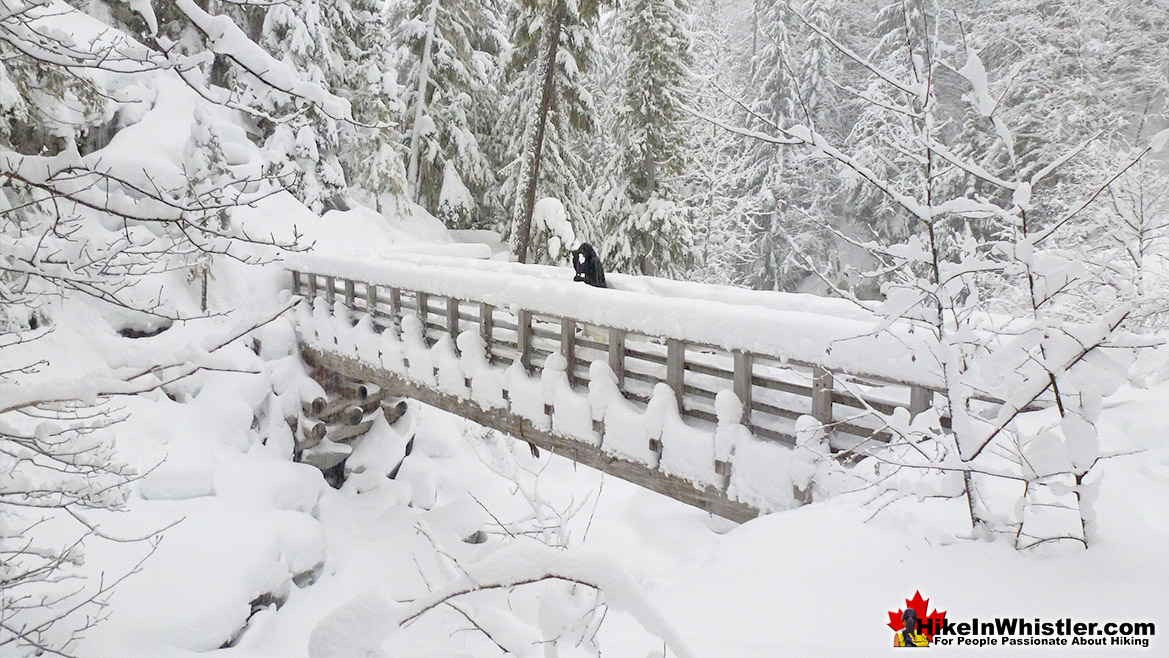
[(528, 352)]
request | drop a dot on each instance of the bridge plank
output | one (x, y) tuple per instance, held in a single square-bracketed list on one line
[(708, 498)]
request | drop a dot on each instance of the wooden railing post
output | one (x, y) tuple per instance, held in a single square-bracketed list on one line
[(744, 365), (822, 395), (486, 328), (524, 338), (675, 369), (331, 290), (395, 302), (568, 347), (920, 399), (452, 317), (617, 353), (422, 310), (350, 294), (312, 286), (295, 282), (371, 299)]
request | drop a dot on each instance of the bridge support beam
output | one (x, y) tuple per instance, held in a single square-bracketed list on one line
[(487, 328), (524, 338), (371, 299), (452, 317)]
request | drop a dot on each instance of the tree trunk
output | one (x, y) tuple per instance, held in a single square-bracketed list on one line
[(523, 232), (420, 104), (203, 281)]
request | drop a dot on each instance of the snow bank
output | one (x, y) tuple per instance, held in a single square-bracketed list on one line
[(360, 628), (761, 475), (177, 482), (687, 452)]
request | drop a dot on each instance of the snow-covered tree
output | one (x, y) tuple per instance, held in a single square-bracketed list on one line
[(547, 117), (445, 80), (304, 148), (647, 227), (777, 237), (208, 183), (370, 151), (710, 181)]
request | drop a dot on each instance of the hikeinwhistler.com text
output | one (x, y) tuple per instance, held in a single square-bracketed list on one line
[(1016, 631)]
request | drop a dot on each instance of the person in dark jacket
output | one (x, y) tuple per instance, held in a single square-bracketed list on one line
[(588, 266)]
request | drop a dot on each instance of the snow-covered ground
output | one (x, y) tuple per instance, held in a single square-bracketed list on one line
[(256, 542), (253, 541), (819, 580)]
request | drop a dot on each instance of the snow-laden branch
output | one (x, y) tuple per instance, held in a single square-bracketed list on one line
[(226, 38), (515, 565), (126, 381), (48, 32), (1040, 236), (915, 90)]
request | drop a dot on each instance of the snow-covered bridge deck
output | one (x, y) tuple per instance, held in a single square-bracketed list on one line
[(693, 391)]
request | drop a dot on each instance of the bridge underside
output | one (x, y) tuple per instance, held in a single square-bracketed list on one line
[(706, 498)]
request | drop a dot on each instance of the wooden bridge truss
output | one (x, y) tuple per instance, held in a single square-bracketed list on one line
[(774, 392)]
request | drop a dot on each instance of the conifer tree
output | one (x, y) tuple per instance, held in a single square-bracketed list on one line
[(777, 237), (371, 153), (208, 179), (648, 225), (444, 81), (548, 116), (303, 150)]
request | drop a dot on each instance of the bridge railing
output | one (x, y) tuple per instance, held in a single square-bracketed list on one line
[(774, 390)]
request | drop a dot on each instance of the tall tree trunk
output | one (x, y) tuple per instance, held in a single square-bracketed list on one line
[(420, 104), (523, 232), (203, 280), (754, 37)]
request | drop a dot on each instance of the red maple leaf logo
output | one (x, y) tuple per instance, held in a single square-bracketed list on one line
[(930, 624)]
